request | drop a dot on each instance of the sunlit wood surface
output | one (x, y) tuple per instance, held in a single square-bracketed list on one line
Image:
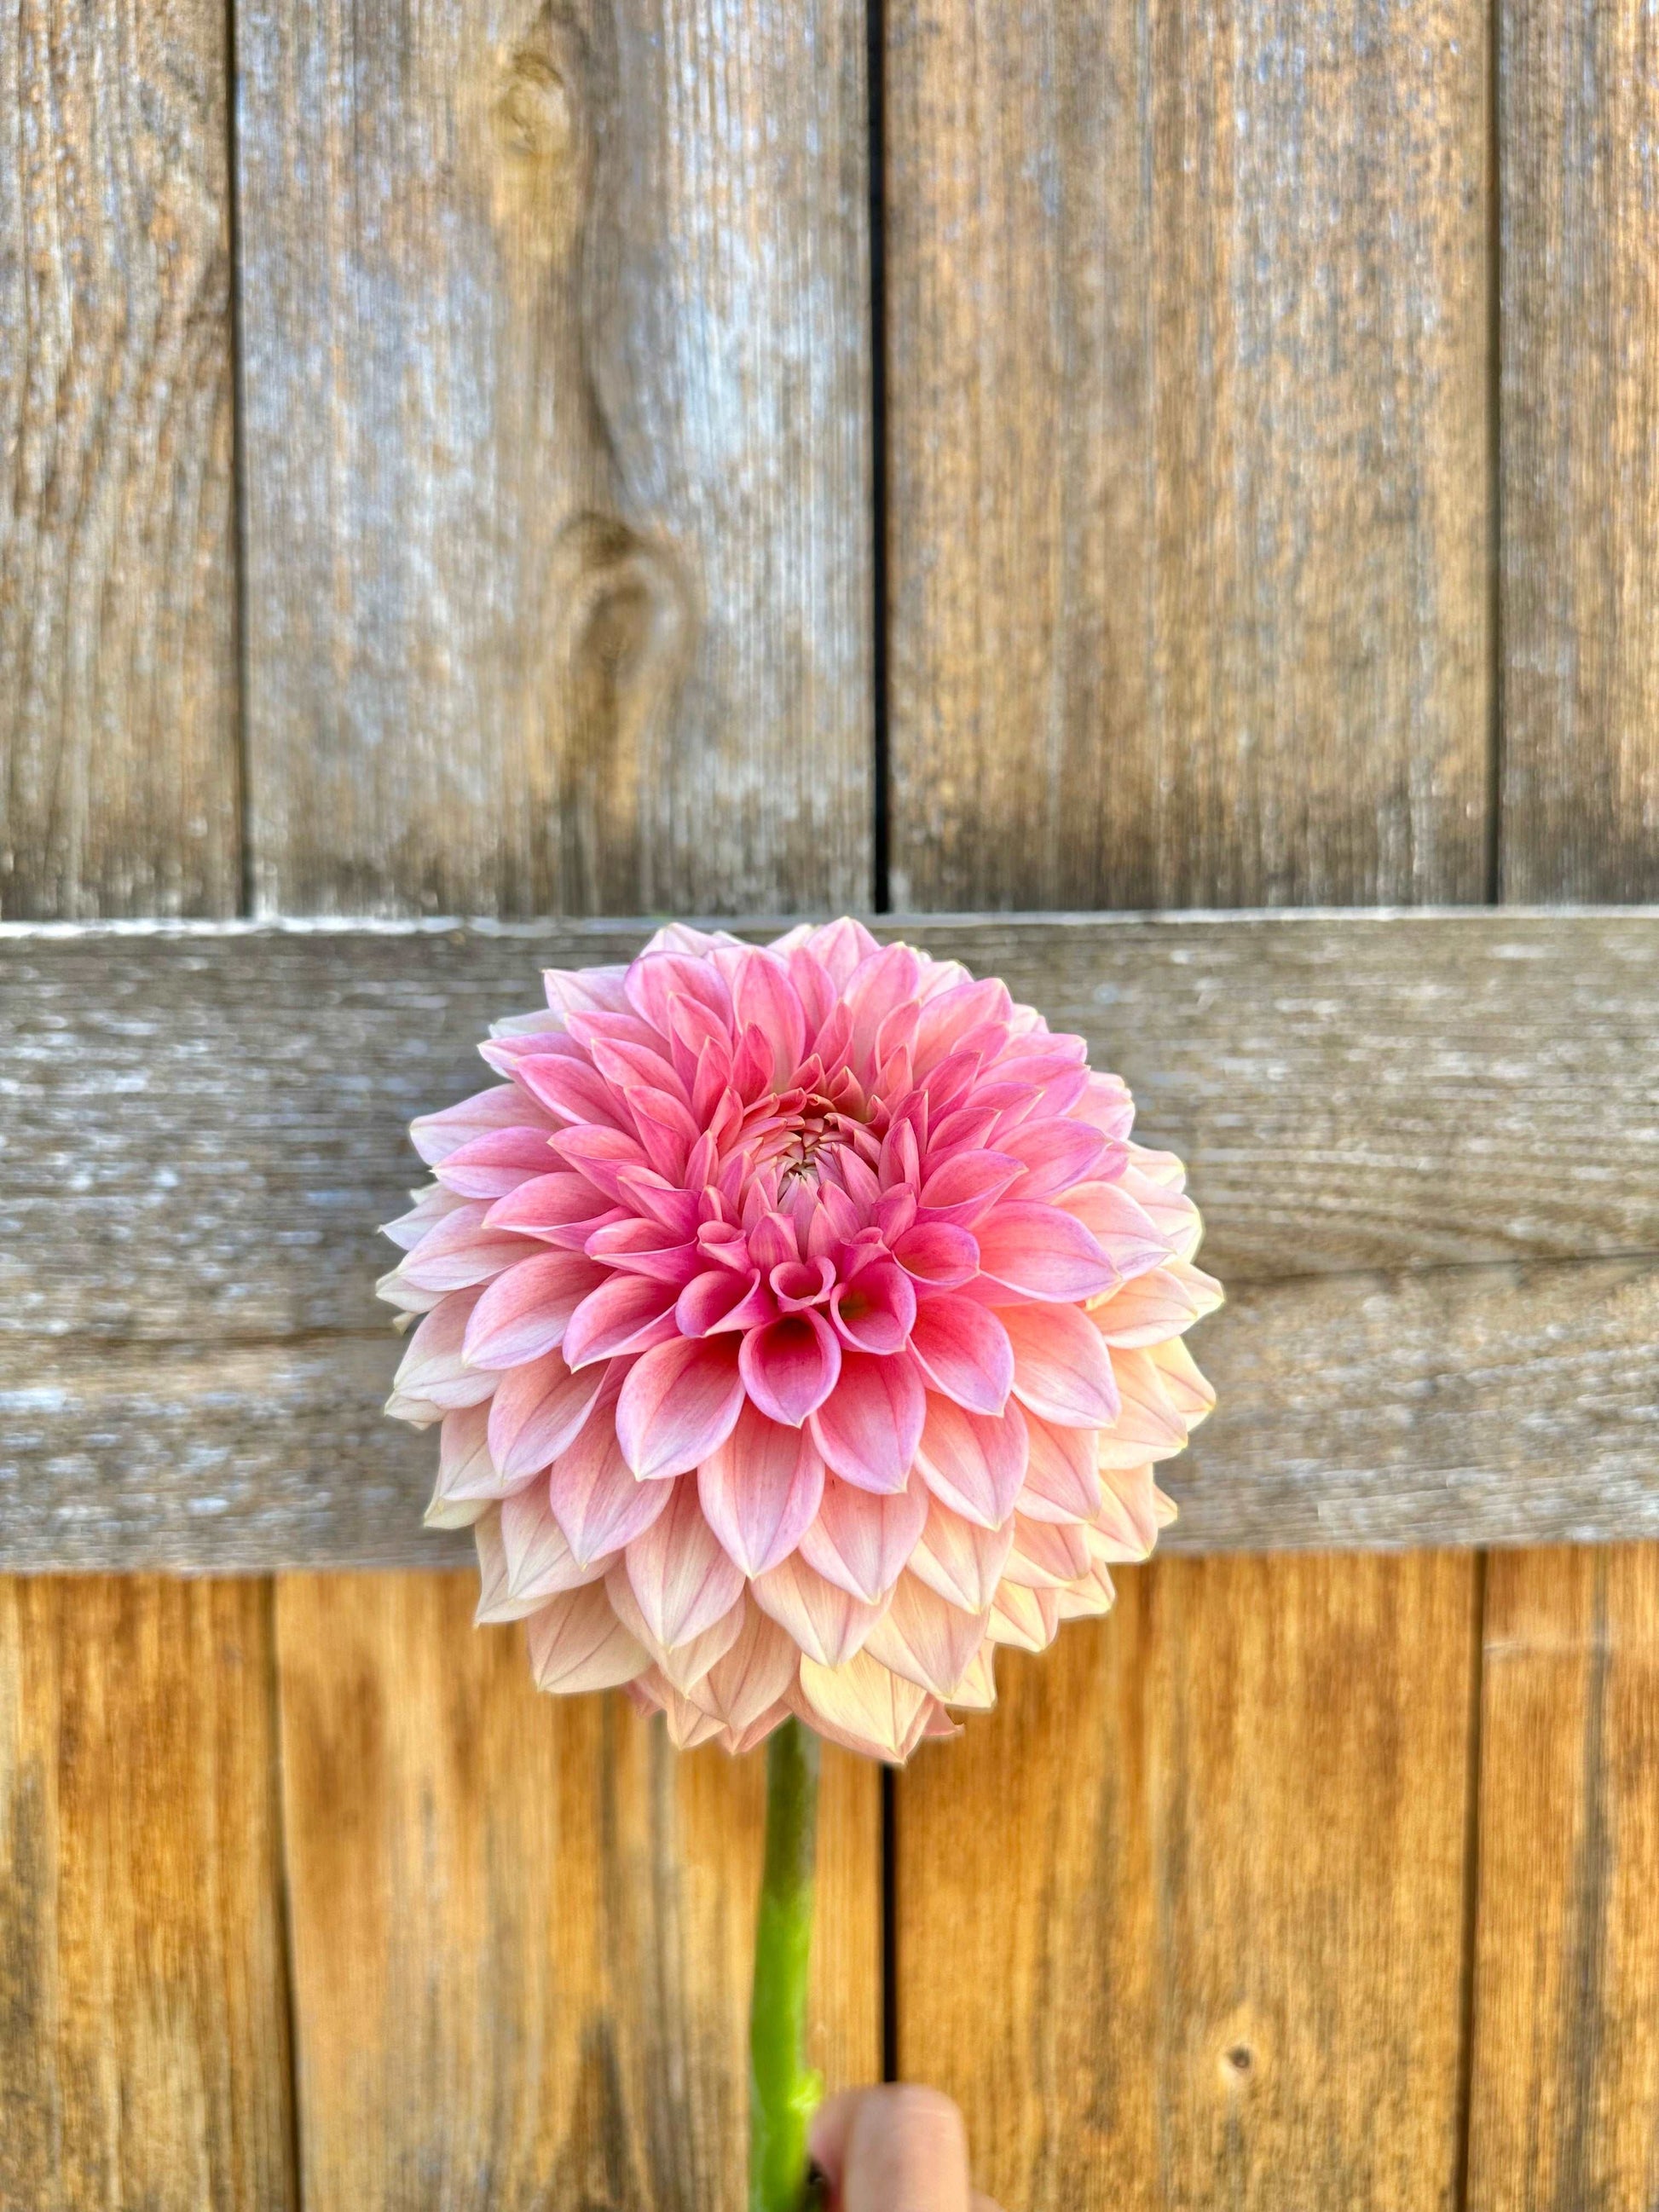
[(513, 459)]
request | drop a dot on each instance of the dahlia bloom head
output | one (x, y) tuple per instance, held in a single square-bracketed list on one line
[(802, 1323)]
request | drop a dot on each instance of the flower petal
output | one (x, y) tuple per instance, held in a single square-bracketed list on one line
[(963, 1350), (680, 1401), (524, 1312), (826, 1621), (537, 1412), (862, 1541), (924, 1638), (1042, 1252), (577, 1643), (504, 1106), (756, 1670), (1027, 1619), (1124, 1230), (791, 1367), (468, 1479), (1045, 1554), (759, 1489), (432, 1377), (966, 1186), (495, 1603), (869, 1425), (540, 1563), (683, 1579), (499, 1161), (625, 1314), (1061, 1369), (596, 1498), (974, 1463), (862, 1705), (1061, 1479), (938, 1253), (875, 1309), (961, 1560)]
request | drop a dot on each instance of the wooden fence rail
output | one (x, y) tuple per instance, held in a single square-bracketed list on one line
[(1425, 1146)]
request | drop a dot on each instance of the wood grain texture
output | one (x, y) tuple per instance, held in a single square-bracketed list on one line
[(118, 780), (522, 1925), (143, 2044), (1226, 1971), (1579, 424), (1187, 452), (1442, 1318), (1565, 2081), (557, 426)]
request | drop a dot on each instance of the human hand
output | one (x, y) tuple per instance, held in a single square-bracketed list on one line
[(895, 2149)]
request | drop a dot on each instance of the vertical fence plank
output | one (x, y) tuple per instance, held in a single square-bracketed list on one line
[(1188, 544), (143, 2048), (143, 2054), (557, 435), (1188, 453), (1565, 2081), (1226, 1971), (1579, 414), (119, 781), (522, 1926), (556, 370)]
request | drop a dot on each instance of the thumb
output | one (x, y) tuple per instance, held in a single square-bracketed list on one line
[(894, 2149)]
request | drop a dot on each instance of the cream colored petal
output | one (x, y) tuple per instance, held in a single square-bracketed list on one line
[(959, 1559), (495, 1600), (1027, 1619), (924, 1638), (753, 1676), (828, 1623), (977, 1690), (1090, 1596), (683, 1665), (1045, 1554), (1191, 1393), (540, 1563), (1146, 1420), (577, 1643), (862, 1705)]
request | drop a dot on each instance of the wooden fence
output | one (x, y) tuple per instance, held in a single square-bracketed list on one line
[(514, 456)]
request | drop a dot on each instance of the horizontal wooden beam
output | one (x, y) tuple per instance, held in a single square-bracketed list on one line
[(1426, 1146)]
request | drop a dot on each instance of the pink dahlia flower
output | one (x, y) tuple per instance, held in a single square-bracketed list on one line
[(802, 1324)]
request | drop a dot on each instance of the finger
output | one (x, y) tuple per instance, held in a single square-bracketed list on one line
[(905, 2151), (831, 2123), (984, 2203)]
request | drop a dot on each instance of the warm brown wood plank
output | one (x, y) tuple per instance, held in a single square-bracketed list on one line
[(119, 781), (143, 2042), (1188, 464), (522, 1925), (557, 435), (1579, 424), (1565, 2097), (1181, 1922), (1187, 453), (1431, 1336)]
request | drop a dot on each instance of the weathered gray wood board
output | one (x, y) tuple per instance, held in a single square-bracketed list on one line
[(1187, 450), (556, 392), (1427, 1148), (1578, 417), (119, 786)]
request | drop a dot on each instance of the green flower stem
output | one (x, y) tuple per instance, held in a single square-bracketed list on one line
[(782, 2093)]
